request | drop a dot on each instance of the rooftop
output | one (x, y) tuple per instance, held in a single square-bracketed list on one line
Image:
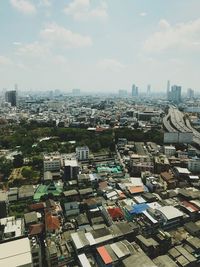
[(170, 212), (15, 253)]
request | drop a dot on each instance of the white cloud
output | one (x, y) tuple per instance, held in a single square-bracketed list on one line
[(33, 50), (164, 24), (110, 64), (39, 56), (82, 10), (5, 61), (43, 54), (143, 14), (55, 34), (17, 43), (180, 37), (24, 6)]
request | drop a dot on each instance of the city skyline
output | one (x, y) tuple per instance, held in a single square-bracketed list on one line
[(99, 45)]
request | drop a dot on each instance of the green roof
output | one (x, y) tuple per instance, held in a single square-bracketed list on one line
[(113, 169), (52, 188)]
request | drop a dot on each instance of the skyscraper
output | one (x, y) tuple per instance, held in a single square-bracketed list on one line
[(168, 89), (190, 93), (148, 89), (135, 91), (11, 97), (174, 94)]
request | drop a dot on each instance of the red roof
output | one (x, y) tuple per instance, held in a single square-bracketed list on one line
[(115, 213), (36, 229), (37, 206), (104, 255), (122, 196), (103, 185), (52, 222), (190, 205), (136, 189)]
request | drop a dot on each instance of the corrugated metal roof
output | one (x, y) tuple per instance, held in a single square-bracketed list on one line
[(83, 260), (76, 240), (117, 250), (90, 238)]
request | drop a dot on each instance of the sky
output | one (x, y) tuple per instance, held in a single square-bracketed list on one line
[(99, 45)]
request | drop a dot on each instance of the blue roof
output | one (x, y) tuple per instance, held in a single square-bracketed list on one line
[(139, 208)]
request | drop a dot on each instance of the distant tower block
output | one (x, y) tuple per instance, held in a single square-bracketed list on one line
[(11, 97), (134, 90), (168, 89), (148, 89), (190, 93)]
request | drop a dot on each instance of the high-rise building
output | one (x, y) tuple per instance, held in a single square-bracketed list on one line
[(71, 169), (174, 94), (52, 163), (148, 89), (135, 91), (168, 89), (11, 97), (190, 93), (82, 153)]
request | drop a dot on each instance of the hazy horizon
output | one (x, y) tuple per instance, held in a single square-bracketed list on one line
[(96, 45)]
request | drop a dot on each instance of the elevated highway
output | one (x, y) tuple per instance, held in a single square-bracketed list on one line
[(175, 122)]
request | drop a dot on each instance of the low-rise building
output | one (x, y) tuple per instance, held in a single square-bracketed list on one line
[(36, 252), (194, 165), (141, 163), (168, 177), (169, 151), (16, 253), (12, 228), (161, 164), (171, 216)]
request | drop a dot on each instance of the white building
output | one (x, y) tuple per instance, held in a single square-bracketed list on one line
[(16, 253), (52, 162), (13, 228), (82, 153), (171, 216), (194, 165), (169, 151)]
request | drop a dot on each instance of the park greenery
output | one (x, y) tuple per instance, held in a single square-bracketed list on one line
[(26, 138)]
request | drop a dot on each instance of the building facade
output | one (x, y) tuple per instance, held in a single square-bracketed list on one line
[(52, 163), (11, 97), (82, 153)]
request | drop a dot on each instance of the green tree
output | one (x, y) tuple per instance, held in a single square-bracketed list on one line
[(37, 162), (27, 173), (5, 166)]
